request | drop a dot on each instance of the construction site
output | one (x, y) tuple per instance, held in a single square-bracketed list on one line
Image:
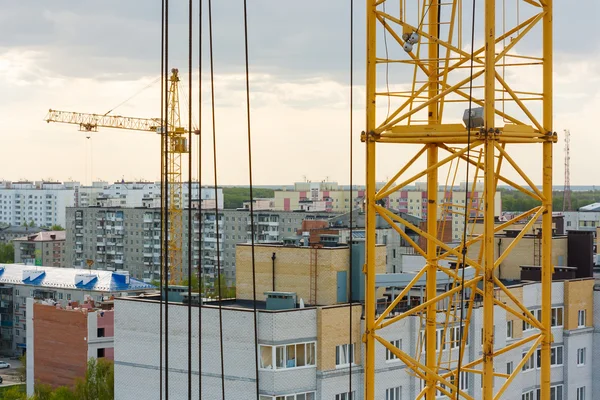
[(410, 282)]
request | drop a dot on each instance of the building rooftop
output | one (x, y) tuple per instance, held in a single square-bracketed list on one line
[(44, 236), (24, 230), (590, 207), (71, 278)]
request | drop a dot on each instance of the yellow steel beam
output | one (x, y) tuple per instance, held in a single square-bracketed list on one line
[(547, 267), (370, 301)]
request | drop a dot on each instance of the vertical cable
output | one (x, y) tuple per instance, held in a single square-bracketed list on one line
[(251, 198), (214, 137), (464, 233), (200, 272), (165, 280), (190, 215), (351, 187), (162, 196)]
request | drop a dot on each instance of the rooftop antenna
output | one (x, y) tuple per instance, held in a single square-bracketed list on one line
[(567, 189)]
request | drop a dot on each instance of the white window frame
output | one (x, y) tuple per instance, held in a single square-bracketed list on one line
[(292, 396), (581, 356), (509, 329), (347, 350), (394, 393), (527, 395), (556, 393), (284, 347), (346, 396), (581, 393), (581, 314), (389, 356), (510, 367)]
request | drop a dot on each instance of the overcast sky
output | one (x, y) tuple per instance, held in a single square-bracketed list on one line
[(89, 56)]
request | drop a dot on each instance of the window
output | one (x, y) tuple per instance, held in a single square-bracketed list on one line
[(581, 356), (509, 368), (394, 393), (100, 353), (556, 317), (529, 364), (344, 355), (527, 395), (293, 396), (345, 396), (509, 329), (389, 356), (581, 393), (288, 356), (100, 332), (581, 319), (68, 296), (556, 393)]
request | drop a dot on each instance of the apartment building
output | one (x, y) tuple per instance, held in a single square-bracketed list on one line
[(303, 353), (329, 196), (62, 285), (587, 218), (43, 203), (140, 194), (43, 248), (129, 238), (61, 340)]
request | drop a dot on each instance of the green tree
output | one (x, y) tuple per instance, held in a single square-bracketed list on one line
[(7, 253), (22, 370), (14, 393), (56, 228), (99, 381)]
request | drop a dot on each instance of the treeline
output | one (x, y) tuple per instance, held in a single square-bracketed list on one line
[(513, 200), (234, 197)]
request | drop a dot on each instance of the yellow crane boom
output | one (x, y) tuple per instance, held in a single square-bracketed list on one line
[(175, 145), (91, 122)]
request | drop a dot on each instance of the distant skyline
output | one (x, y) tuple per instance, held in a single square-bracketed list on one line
[(89, 58)]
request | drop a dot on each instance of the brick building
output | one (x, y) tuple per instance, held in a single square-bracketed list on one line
[(61, 340)]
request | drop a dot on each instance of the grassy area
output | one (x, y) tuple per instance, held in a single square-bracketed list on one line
[(233, 197)]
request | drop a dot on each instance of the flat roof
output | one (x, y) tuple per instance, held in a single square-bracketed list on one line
[(71, 278)]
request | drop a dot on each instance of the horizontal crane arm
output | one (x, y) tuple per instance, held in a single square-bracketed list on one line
[(91, 122)]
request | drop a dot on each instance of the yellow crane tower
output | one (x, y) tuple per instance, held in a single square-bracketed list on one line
[(176, 144), (507, 87)]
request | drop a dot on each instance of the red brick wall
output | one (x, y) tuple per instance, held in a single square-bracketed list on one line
[(60, 354)]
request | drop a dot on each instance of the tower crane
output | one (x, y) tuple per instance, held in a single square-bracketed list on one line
[(175, 145)]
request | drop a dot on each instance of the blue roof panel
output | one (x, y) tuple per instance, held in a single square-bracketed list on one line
[(71, 278)]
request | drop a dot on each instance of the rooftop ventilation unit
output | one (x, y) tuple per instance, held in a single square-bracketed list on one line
[(281, 300)]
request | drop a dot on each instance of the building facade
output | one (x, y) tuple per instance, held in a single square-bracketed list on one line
[(306, 353), (118, 238), (43, 248), (329, 196), (43, 203), (60, 341)]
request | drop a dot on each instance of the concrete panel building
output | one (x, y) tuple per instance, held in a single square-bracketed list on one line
[(306, 352), (122, 238)]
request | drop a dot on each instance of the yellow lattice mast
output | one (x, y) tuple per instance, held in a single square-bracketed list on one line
[(176, 145), (426, 38)]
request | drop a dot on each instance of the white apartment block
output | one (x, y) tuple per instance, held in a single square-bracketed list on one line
[(43, 203), (305, 353)]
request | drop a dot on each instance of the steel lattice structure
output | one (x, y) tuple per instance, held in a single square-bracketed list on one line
[(513, 117)]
